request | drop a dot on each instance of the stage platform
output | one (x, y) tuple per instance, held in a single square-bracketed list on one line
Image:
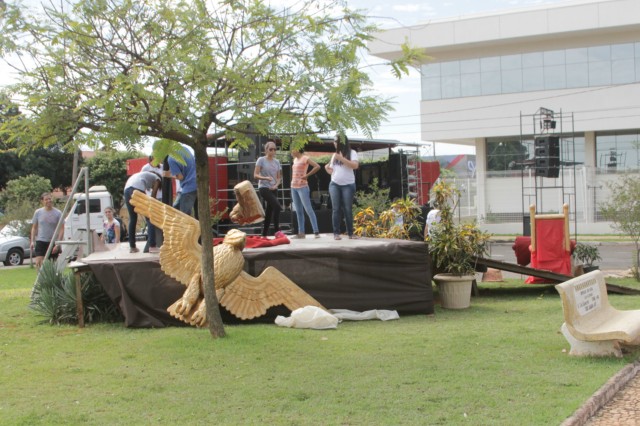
[(359, 275)]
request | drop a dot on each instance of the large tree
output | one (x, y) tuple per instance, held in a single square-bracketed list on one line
[(50, 162), (97, 71), (109, 168)]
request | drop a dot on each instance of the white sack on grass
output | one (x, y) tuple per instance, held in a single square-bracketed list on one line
[(308, 317), (381, 314)]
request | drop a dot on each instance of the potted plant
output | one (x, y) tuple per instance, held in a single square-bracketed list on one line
[(587, 254), (453, 248)]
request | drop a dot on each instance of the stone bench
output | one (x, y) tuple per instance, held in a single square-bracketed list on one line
[(591, 325)]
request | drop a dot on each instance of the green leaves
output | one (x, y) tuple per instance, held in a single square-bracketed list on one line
[(173, 70), (454, 246), (54, 297), (411, 57), (623, 209)]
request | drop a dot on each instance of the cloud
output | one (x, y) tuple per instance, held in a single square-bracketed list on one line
[(413, 7)]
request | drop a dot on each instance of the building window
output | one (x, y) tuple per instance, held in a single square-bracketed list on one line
[(551, 70), (618, 151), (506, 155)]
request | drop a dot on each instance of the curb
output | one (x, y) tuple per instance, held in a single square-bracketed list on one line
[(603, 395)]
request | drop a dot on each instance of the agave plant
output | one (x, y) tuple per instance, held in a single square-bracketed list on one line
[(54, 297)]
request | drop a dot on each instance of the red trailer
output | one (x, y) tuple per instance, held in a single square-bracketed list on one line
[(218, 179), (402, 171)]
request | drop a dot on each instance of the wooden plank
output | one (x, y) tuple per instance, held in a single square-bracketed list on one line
[(525, 270)]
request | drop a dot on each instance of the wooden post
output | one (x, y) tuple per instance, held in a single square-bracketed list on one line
[(79, 305), (567, 238), (532, 218)]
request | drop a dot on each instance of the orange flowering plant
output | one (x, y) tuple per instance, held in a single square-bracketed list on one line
[(397, 222)]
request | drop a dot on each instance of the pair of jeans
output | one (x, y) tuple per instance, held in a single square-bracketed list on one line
[(151, 233), (342, 203), (272, 212), (187, 201), (133, 220), (302, 200)]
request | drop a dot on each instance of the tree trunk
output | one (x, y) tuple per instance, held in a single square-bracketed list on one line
[(216, 328), (636, 269)]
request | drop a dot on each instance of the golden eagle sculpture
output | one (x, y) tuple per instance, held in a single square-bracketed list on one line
[(243, 295)]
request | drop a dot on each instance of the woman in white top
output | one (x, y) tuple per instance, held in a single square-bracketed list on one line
[(343, 185), (433, 217)]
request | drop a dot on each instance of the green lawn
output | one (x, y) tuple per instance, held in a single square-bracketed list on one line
[(500, 362)]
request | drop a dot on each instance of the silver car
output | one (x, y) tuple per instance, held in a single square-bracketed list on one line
[(13, 247)]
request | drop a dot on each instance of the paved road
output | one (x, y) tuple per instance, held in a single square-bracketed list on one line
[(615, 256)]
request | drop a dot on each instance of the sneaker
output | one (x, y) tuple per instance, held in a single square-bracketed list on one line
[(354, 237), (300, 236), (337, 237), (154, 250), (134, 250), (317, 235)]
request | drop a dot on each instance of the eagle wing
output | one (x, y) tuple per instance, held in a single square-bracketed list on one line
[(249, 297), (180, 254)]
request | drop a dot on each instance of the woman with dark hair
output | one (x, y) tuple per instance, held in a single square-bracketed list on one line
[(343, 185), (268, 173)]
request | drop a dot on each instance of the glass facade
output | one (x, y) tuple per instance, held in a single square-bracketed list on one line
[(618, 151), (550, 70), (509, 154)]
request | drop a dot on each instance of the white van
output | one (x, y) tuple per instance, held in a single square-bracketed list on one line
[(99, 199)]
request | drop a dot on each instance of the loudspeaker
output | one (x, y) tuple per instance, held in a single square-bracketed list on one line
[(547, 155), (548, 146), (397, 173), (548, 172)]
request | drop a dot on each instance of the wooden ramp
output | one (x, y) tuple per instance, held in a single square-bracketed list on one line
[(552, 276)]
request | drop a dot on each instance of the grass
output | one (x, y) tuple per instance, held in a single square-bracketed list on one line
[(500, 362)]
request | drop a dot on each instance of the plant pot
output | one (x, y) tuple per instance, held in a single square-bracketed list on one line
[(591, 268), (455, 290)]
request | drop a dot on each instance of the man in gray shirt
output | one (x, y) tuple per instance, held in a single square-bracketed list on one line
[(43, 225), (140, 182)]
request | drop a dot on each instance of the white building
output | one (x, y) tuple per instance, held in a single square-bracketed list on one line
[(491, 80)]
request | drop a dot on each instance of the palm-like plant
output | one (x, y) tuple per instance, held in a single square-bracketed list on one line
[(54, 297), (453, 246)]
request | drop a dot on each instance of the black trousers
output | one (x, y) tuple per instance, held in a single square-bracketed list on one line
[(272, 210)]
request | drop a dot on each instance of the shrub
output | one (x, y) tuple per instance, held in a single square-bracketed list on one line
[(454, 246), (587, 254), (26, 189), (374, 198), (385, 224), (54, 297)]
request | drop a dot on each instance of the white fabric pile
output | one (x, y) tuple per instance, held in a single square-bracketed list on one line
[(319, 319)]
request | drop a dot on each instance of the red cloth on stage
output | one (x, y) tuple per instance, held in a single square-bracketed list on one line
[(255, 241), (550, 253)]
